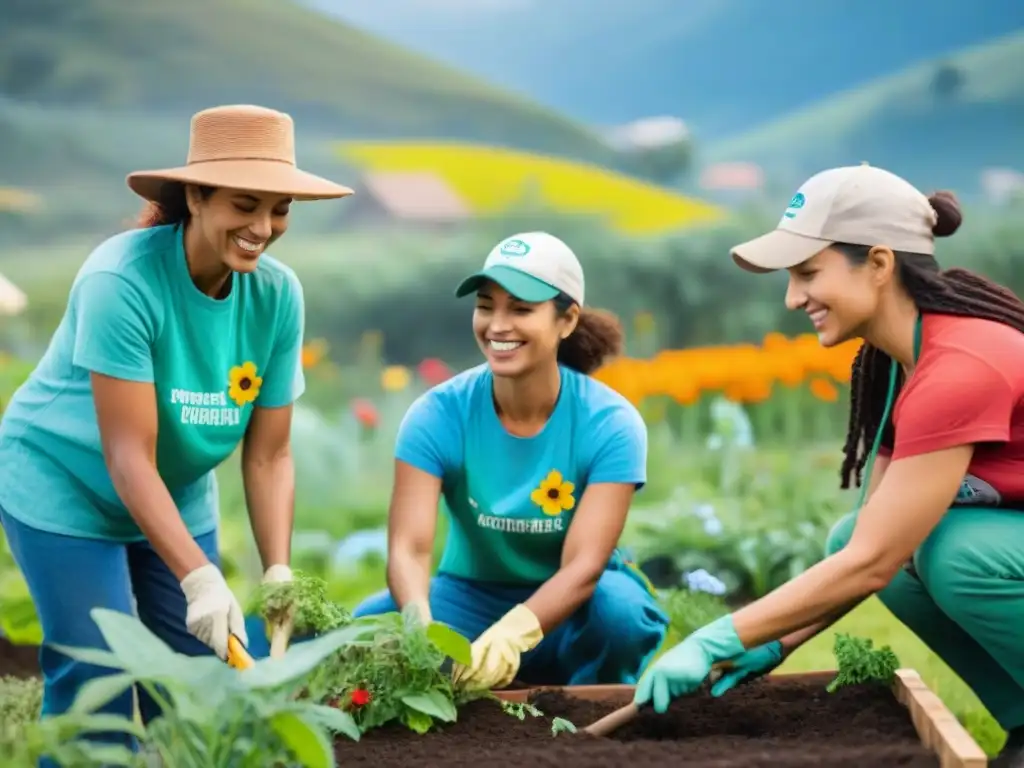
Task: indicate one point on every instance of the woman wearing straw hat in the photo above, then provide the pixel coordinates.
(181, 339)
(938, 396)
(537, 463)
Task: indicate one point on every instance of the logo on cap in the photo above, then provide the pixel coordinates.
(795, 205)
(514, 248)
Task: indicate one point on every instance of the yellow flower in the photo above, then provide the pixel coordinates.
(395, 378)
(553, 494)
(243, 383)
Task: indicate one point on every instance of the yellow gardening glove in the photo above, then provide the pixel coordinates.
(496, 652)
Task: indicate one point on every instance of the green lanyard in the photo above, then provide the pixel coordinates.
(893, 369)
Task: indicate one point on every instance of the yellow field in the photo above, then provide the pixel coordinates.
(18, 200)
(492, 179)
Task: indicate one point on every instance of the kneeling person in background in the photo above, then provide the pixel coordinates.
(537, 463)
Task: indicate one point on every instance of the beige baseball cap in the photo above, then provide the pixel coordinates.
(532, 266)
(858, 204)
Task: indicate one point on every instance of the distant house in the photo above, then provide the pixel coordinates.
(413, 198)
(732, 176)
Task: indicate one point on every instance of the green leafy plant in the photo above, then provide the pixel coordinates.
(59, 739)
(858, 662)
(398, 675)
(689, 610)
(214, 716)
(300, 606)
(24, 738)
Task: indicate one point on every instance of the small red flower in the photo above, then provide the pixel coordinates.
(434, 371)
(365, 412)
(361, 697)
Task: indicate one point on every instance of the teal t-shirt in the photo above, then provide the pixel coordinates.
(510, 499)
(134, 313)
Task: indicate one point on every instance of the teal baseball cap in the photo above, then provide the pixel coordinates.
(532, 266)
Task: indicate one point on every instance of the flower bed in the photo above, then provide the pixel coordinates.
(785, 720)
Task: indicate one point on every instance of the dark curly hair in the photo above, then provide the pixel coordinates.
(945, 292)
(597, 337)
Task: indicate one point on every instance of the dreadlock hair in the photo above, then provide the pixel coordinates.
(945, 292)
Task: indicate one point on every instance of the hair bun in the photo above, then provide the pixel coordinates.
(947, 211)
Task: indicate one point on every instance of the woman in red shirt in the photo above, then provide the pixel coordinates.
(937, 409)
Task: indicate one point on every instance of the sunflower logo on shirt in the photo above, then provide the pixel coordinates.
(243, 383)
(554, 494)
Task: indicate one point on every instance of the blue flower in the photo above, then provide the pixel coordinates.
(706, 514)
(713, 526)
(702, 581)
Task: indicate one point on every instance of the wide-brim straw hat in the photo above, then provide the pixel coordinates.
(241, 147)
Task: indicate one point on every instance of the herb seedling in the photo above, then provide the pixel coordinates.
(300, 606)
(858, 662)
(520, 709)
(561, 725)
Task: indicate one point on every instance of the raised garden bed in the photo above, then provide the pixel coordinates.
(779, 721)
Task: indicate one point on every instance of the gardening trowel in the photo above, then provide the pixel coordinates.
(238, 656)
(615, 720)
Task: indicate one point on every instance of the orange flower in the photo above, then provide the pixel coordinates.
(825, 390)
(313, 352)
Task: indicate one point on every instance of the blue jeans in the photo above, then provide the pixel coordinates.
(68, 576)
(610, 639)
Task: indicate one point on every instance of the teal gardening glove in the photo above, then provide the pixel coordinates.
(753, 663)
(681, 670)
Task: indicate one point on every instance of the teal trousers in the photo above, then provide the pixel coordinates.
(966, 601)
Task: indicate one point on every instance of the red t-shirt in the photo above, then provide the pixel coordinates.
(967, 387)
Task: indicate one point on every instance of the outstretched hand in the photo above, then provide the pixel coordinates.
(683, 669)
(749, 664)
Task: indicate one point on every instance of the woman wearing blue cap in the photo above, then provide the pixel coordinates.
(537, 463)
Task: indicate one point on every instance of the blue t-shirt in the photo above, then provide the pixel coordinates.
(134, 313)
(511, 499)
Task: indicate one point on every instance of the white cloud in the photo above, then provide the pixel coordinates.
(649, 132)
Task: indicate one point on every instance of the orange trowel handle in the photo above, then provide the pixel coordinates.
(238, 657)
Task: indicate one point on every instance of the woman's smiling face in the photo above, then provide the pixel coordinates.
(517, 336)
(839, 296)
(239, 224)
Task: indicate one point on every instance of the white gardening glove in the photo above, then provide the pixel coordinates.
(213, 612)
(423, 606)
(277, 574)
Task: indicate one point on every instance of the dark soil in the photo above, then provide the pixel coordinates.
(18, 660)
(781, 724)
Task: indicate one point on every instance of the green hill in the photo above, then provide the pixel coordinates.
(939, 123)
(112, 86)
(185, 55)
